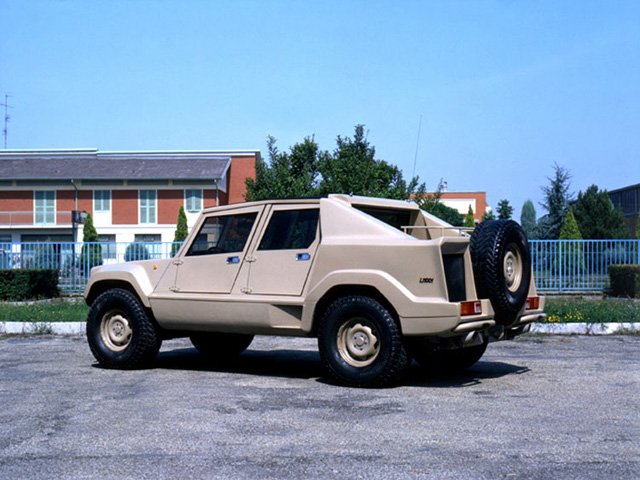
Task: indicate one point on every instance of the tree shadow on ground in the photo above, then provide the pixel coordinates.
(305, 364)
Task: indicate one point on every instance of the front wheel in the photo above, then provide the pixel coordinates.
(119, 331)
(360, 343)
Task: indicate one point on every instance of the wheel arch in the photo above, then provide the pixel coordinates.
(99, 287)
(345, 290)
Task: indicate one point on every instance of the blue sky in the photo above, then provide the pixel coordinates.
(504, 88)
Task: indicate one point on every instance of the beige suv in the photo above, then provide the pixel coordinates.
(378, 282)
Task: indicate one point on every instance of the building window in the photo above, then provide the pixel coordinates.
(108, 247)
(147, 206)
(102, 201)
(149, 245)
(193, 200)
(45, 207)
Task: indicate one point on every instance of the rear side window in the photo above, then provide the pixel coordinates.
(223, 234)
(290, 230)
(395, 218)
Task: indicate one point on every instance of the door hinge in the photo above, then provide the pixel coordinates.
(178, 262)
(250, 259)
(174, 289)
(246, 290)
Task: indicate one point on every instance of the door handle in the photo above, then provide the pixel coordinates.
(233, 260)
(303, 257)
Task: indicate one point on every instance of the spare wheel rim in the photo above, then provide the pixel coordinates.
(513, 268)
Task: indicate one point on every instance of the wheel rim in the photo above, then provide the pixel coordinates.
(358, 342)
(115, 330)
(513, 268)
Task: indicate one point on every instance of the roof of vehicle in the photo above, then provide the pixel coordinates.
(354, 200)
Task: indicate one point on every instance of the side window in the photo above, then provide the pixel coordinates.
(290, 229)
(223, 234)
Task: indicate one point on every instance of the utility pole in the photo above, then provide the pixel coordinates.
(6, 106)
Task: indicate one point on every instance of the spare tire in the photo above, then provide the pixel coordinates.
(501, 267)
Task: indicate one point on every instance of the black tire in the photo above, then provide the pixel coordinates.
(501, 267)
(119, 331)
(220, 346)
(448, 361)
(360, 343)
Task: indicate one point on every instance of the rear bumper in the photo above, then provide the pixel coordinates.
(446, 326)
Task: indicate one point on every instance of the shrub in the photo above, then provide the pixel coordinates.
(624, 280)
(136, 251)
(28, 284)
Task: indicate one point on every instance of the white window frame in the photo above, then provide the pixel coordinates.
(187, 198)
(45, 213)
(99, 201)
(147, 206)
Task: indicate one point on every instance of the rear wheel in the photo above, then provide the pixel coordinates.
(221, 346)
(360, 343)
(119, 331)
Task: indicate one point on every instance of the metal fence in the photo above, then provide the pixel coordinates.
(579, 265)
(558, 265)
(75, 260)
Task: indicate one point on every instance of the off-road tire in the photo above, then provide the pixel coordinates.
(119, 331)
(360, 343)
(220, 347)
(501, 267)
(448, 361)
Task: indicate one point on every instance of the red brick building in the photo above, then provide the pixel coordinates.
(131, 196)
(461, 201)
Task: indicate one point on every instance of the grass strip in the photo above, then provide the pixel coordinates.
(54, 311)
(591, 310)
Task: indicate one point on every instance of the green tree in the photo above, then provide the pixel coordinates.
(354, 169)
(290, 174)
(528, 218)
(488, 215)
(91, 254)
(469, 221)
(597, 217)
(570, 229)
(556, 202)
(569, 256)
(505, 210)
(182, 230)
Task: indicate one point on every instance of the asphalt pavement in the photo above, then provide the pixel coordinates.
(537, 407)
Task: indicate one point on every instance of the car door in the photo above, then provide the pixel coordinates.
(214, 258)
(280, 261)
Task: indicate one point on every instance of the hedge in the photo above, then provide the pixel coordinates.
(28, 284)
(624, 280)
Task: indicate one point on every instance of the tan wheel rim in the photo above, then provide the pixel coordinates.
(115, 330)
(513, 267)
(358, 343)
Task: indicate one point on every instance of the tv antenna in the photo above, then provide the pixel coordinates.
(5, 131)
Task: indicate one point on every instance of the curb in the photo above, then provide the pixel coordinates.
(78, 328)
(611, 328)
(43, 328)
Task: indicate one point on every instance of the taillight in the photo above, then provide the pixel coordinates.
(532, 303)
(470, 308)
